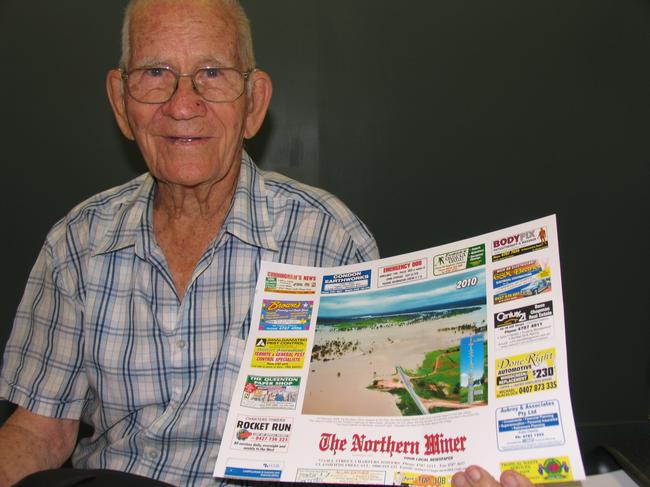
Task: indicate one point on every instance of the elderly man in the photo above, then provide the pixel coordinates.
(135, 314)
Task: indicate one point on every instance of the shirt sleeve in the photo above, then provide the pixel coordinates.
(366, 245)
(43, 359)
(352, 238)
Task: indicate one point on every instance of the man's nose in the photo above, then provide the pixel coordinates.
(185, 103)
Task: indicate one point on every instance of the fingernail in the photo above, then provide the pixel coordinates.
(509, 480)
(474, 473)
(459, 480)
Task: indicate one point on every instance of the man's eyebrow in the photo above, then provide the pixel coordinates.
(212, 61)
(151, 62)
(205, 62)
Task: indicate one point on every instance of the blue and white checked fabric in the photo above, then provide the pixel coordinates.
(100, 334)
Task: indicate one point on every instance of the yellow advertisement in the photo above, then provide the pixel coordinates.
(422, 480)
(525, 373)
(279, 353)
(542, 471)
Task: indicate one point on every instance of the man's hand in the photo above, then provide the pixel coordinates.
(30, 442)
(477, 477)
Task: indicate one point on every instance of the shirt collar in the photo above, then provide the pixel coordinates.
(248, 218)
(131, 220)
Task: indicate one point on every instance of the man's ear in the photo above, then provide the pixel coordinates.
(116, 98)
(259, 97)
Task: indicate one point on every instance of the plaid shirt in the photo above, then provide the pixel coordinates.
(100, 334)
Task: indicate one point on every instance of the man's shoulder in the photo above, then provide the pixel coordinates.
(283, 190)
(97, 211)
(296, 201)
(110, 200)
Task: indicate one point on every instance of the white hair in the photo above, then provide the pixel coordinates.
(232, 7)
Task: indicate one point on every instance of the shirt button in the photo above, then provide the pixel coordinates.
(181, 344)
(153, 454)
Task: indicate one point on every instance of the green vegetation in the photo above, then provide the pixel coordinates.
(372, 323)
(405, 403)
(332, 349)
(437, 377)
(463, 392)
(398, 320)
(472, 328)
(460, 311)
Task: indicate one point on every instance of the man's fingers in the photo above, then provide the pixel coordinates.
(475, 476)
(510, 478)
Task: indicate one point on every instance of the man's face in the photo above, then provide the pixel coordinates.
(187, 140)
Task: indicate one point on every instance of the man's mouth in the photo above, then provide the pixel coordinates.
(185, 140)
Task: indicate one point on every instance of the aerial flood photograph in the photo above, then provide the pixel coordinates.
(409, 350)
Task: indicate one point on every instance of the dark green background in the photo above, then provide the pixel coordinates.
(433, 120)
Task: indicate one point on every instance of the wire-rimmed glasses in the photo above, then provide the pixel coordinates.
(158, 84)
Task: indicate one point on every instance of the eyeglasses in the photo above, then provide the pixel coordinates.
(158, 84)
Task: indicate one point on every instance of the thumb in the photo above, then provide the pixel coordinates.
(510, 478)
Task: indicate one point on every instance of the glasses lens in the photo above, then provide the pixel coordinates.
(219, 84)
(151, 85)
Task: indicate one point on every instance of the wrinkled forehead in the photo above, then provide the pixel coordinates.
(203, 30)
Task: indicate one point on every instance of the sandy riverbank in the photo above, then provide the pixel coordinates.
(379, 350)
